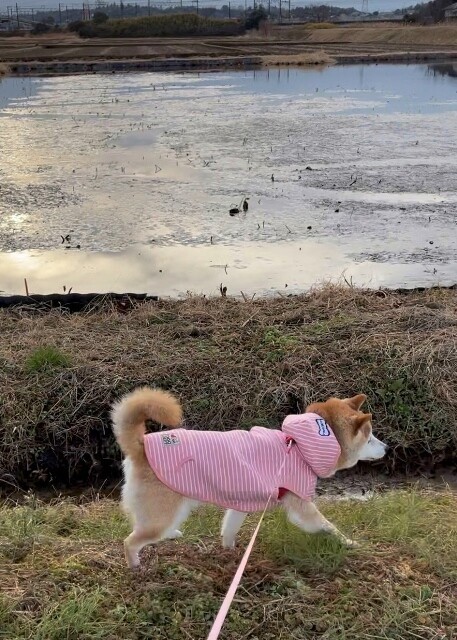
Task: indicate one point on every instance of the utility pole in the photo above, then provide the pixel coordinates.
(280, 12)
(289, 10)
(17, 17)
(60, 14)
(230, 15)
(149, 7)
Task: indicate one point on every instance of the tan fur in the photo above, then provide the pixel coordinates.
(130, 414)
(153, 508)
(157, 512)
(348, 424)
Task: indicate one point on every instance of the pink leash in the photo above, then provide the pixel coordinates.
(227, 602)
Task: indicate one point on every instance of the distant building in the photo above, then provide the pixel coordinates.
(450, 13)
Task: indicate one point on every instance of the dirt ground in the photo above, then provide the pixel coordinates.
(337, 42)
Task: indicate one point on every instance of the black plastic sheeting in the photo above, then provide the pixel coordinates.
(74, 302)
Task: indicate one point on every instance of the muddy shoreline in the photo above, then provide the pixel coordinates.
(213, 63)
(66, 53)
(356, 484)
(76, 302)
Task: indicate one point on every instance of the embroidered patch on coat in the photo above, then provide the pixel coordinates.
(169, 439)
(324, 429)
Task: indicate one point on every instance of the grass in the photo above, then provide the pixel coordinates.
(46, 359)
(299, 60)
(4, 69)
(320, 25)
(63, 575)
(233, 364)
(379, 34)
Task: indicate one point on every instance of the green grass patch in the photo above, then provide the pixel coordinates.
(75, 616)
(46, 359)
(68, 578)
(275, 344)
(320, 25)
(323, 327)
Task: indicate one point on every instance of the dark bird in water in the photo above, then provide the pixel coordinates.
(245, 205)
(234, 210)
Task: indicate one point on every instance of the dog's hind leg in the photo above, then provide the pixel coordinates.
(164, 525)
(230, 526)
(155, 510)
(307, 517)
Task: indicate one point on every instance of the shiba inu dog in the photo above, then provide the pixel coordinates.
(168, 473)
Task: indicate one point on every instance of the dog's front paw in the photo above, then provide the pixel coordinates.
(176, 533)
(132, 559)
(351, 544)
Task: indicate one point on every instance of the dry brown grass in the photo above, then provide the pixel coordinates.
(381, 34)
(299, 60)
(320, 25)
(233, 364)
(4, 69)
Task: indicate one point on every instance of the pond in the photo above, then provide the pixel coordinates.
(124, 182)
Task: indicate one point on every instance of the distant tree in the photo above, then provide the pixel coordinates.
(255, 17)
(431, 11)
(76, 25)
(323, 13)
(40, 28)
(208, 12)
(100, 17)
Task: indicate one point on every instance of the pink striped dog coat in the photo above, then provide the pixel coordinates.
(239, 469)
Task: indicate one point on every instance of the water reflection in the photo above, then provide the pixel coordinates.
(444, 69)
(355, 164)
(172, 271)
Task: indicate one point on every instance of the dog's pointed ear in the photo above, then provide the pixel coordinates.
(362, 422)
(356, 402)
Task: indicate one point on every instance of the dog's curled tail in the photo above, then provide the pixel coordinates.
(131, 412)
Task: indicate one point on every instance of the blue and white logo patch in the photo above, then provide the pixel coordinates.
(169, 439)
(324, 429)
